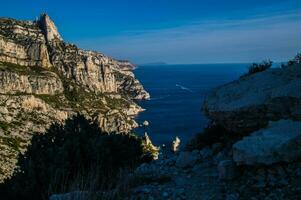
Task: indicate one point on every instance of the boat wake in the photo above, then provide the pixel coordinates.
(183, 88)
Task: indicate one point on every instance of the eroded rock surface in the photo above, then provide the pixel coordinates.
(252, 101)
(215, 178)
(279, 142)
(44, 80)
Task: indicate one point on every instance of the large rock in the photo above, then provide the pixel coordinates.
(250, 102)
(227, 170)
(48, 27)
(280, 141)
(187, 159)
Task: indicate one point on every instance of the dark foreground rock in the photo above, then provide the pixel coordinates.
(252, 101)
(279, 142)
(207, 179)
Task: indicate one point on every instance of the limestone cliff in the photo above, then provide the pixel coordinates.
(44, 79)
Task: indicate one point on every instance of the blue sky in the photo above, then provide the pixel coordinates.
(174, 31)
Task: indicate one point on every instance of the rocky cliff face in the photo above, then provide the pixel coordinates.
(261, 113)
(44, 79)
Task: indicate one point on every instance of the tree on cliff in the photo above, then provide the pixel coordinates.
(74, 156)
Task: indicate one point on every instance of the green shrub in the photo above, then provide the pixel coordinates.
(259, 67)
(70, 157)
(4, 126)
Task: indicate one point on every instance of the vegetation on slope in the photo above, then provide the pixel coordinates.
(259, 67)
(67, 156)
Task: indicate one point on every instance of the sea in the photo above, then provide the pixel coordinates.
(177, 94)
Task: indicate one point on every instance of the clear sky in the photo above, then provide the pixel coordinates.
(174, 31)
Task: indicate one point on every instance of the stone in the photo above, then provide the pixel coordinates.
(220, 156)
(227, 170)
(279, 142)
(145, 123)
(175, 146)
(216, 147)
(206, 153)
(186, 159)
(165, 194)
(152, 173)
(234, 196)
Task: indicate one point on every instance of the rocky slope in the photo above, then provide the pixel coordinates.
(258, 159)
(44, 79)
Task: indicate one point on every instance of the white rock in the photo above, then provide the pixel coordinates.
(280, 141)
(175, 146)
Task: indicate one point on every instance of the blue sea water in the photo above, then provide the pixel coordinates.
(177, 93)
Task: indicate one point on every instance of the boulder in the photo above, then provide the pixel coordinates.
(280, 141)
(252, 101)
(186, 159)
(175, 146)
(206, 153)
(152, 173)
(227, 170)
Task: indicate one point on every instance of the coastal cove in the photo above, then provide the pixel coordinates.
(150, 100)
(177, 93)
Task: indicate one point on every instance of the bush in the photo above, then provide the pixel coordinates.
(210, 135)
(294, 61)
(255, 68)
(70, 157)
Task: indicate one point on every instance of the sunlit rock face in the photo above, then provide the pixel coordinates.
(252, 101)
(23, 43)
(44, 83)
(49, 29)
(44, 79)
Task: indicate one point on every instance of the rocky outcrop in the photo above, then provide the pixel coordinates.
(22, 43)
(252, 101)
(261, 116)
(44, 83)
(279, 142)
(49, 29)
(44, 79)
